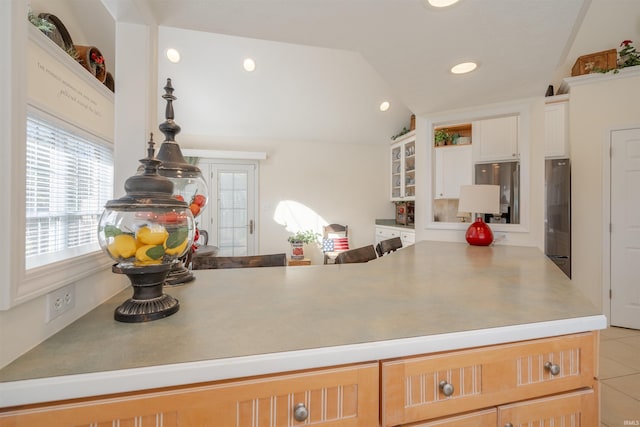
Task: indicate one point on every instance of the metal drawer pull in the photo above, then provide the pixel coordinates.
(300, 412)
(446, 388)
(552, 368)
(508, 425)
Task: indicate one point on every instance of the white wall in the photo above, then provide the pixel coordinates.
(594, 109)
(341, 183)
(25, 326)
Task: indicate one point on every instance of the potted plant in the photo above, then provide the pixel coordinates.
(441, 137)
(298, 240)
(629, 57)
(41, 23)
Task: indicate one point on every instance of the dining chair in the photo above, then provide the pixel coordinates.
(363, 254)
(335, 239)
(388, 246)
(217, 262)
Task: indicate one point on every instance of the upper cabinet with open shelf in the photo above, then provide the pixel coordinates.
(460, 134)
(499, 135)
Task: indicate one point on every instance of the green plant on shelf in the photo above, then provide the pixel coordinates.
(308, 236)
(404, 131)
(40, 23)
(73, 53)
(629, 57)
(441, 137)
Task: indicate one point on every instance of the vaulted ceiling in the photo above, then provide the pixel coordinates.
(517, 43)
(331, 62)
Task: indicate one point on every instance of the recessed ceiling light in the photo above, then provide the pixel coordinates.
(442, 3)
(385, 106)
(173, 55)
(249, 65)
(465, 67)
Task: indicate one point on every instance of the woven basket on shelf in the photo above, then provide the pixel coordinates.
(84, 57)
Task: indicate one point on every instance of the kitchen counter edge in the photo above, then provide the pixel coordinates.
(41, 390)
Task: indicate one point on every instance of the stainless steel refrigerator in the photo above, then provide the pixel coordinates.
(557, 221)
(507, 176)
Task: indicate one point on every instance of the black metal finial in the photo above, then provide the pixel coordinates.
(150, 150)
(149, 182)
(150, 163)
(169, 127)
(173, 163)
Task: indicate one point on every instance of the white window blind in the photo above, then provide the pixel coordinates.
(69, 178)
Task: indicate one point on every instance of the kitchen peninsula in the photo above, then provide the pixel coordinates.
(249, 341)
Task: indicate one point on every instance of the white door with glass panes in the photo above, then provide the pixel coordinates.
(625, 228)
(230, 216)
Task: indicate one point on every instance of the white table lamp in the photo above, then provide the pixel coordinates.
(479, 199)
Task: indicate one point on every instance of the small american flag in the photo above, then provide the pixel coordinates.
(341, 244)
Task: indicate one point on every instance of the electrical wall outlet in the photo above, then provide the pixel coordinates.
(499, 238)
(60, 301)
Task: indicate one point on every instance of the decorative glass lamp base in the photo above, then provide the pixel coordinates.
(479, 233)
(148, 301)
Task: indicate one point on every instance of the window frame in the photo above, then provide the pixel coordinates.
(39, 280)
(523, 111)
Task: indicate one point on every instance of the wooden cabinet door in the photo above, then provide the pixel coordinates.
(344, 397)
(495, 139)
(578, 409)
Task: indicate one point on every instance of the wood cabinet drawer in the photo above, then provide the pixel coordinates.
(344, 396)
(486, 418)
(577, 409)
(484, 377)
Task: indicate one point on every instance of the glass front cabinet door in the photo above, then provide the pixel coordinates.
(403, 165)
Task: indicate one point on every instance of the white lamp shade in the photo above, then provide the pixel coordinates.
(479, 199)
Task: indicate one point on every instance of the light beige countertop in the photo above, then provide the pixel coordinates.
(432, 296)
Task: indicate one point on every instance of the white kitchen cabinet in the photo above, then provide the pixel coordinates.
(403, 166)
(495, 139)
(453, 168)
(556, 127)
(407, 236)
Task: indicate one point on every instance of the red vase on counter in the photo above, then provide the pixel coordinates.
(479, 233)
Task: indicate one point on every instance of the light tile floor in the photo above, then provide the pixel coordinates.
(619, 377)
